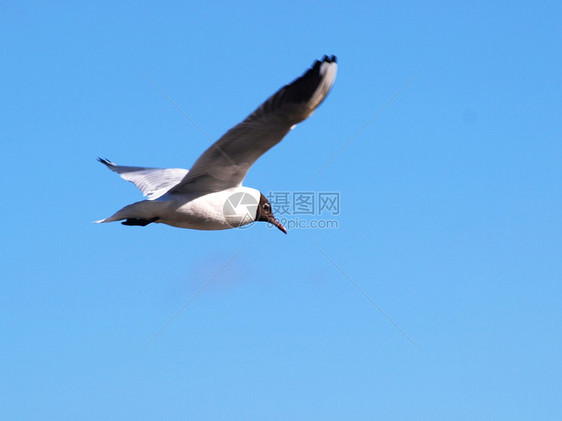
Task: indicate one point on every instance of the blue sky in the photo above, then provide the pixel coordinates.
(450, 215)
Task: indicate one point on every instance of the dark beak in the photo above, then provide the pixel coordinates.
(277, 224)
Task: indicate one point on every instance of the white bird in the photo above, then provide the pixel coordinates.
(210, 196)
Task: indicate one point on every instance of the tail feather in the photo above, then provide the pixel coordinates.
(146, 210)
(110, 219)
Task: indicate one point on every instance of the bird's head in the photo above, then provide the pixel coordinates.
(265, 213)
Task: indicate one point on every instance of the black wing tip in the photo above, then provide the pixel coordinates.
(302, 89)
(329, 59)
(106, 162)
(326, 59)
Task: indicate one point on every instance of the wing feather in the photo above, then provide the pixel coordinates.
(226, 162)
(152, 182)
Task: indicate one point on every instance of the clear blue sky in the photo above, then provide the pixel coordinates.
(450, 222)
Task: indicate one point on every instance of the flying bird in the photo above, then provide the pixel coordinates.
(210, 196)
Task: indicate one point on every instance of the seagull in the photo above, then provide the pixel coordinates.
(210, 196)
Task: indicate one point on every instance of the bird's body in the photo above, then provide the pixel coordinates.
(211, 211)
(210, 196)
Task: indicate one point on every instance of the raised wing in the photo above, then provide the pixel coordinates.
(226, 162)
(152, 182)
